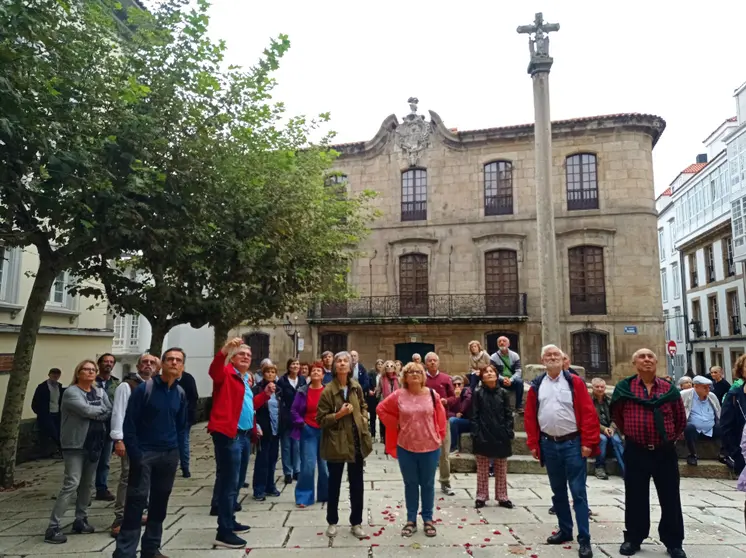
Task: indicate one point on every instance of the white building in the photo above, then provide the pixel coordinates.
(132, 335)
(697, 250)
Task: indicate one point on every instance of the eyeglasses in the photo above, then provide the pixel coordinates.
(87, 369)
(457, 384)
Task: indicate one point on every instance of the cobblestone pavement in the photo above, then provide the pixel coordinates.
(713, 515)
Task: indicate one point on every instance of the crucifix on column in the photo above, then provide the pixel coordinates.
(539, 67)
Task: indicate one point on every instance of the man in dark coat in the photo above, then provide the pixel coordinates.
(46, 405)
(358, 371)
(189, 386)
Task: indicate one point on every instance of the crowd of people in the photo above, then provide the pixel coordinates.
(318, 417)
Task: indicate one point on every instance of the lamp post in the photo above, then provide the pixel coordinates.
(292, 332)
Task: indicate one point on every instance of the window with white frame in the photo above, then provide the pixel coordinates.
(667, 321)
(3, 271)
(675, 327)
(119, 329)
(737, 214)
(672, 234)
(134, 339)
(58, 296)
(661, 247)
(9, 274)
(676, 278)
(664, 285)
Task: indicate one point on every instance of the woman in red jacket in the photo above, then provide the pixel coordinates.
(415, 423)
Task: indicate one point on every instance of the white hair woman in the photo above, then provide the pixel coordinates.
(345, 438)
(416, 427)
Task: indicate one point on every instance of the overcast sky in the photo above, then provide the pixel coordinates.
(464, 60)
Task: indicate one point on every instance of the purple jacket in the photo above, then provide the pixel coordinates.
(461, 404)
(298, 412)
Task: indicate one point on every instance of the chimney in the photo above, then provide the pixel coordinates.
(702, 158)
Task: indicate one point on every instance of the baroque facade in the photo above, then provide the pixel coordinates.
(454, 254)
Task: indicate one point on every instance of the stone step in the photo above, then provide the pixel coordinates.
(525, 464)
(706, 449)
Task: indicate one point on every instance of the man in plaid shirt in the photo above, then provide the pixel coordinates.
(650, 413)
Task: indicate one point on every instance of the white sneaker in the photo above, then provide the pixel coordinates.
(331, 531)
(357, 532)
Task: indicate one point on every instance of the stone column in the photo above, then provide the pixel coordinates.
(539, 67)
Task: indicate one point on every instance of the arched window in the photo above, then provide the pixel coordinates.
(414, 195)
(498, 188)
(413, 285)
(259, 343)
(501, 282)
(590, 350)
(587, 280)
(582, 181)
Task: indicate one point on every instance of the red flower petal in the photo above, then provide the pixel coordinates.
(460, 526)
(498, 533)
(367, 538)
(568, 547)
(487, 539)
(296, 546)
(463, 519)
(319, 534)
(437, 508)
(374, 544)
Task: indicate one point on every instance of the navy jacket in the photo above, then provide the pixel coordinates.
(155, 425)
(286, 398)
(362, 377)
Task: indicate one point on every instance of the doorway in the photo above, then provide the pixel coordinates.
(699, 358)
(493, 336)
(404, 351)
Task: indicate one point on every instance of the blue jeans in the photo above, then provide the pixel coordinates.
(517, 387)
(418, 472)
(566, 466)
(458, 426)
(150, 483)
(244, 443)
(310, 461)
(225, 491)
(290, 455)
(184, 448)
(617, 445)
(265, 464)
(102, 471)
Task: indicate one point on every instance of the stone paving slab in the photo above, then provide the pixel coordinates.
(298, 552)
(199, 539)
(516, 516)
(692, 551)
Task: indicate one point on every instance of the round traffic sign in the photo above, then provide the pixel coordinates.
(672, 348)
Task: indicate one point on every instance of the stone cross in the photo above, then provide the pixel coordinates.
(539, 44)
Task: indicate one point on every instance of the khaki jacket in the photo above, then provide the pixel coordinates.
(337, 438)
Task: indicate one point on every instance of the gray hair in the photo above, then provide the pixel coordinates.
(546, 348)
(638, 351)
(326, 353)
(235, 350)
(433, 355)
(339, 355)
(142, 356)
(683, 380)
(597, 381)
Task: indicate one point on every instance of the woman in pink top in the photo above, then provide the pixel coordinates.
(415, 422)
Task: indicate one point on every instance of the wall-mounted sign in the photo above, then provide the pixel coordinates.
(630, 330)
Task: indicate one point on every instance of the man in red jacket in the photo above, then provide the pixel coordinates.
(441, 383)
(562, 430)
(231, 398)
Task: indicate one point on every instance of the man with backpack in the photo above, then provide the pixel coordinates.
(156, 417)
(145, 369)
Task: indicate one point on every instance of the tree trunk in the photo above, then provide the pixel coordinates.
(19, 374)
(158, 336)
(221, 336)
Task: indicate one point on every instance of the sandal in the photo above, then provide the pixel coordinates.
(430, 529)
(409, 529)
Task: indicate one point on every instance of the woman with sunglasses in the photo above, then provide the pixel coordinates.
(387, 385)
(459, 412)
(416, 426)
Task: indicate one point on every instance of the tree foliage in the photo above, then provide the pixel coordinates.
(259, 231)
(148, 151)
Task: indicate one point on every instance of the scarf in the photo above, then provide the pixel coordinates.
(386, 388)
(623, 392)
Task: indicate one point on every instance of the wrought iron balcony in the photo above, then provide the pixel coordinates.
(735, 325)
(423, 308)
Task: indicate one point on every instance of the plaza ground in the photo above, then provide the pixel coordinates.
(713, 513)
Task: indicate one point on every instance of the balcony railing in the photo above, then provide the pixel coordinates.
(455, 307)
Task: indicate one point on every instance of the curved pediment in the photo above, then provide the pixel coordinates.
(373, 146)
(414, 240)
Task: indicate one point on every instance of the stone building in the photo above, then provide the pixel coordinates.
(454, 255)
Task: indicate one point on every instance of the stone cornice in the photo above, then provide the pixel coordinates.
(413, 240)
(587, 230)
(645, 123)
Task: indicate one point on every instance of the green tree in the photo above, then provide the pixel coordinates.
(62, 89)
(258, 232)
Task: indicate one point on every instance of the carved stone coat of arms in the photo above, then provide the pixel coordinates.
(413, 134)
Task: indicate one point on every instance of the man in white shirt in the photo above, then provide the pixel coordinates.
(147, 366)
(562, 430)
(702, 415)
